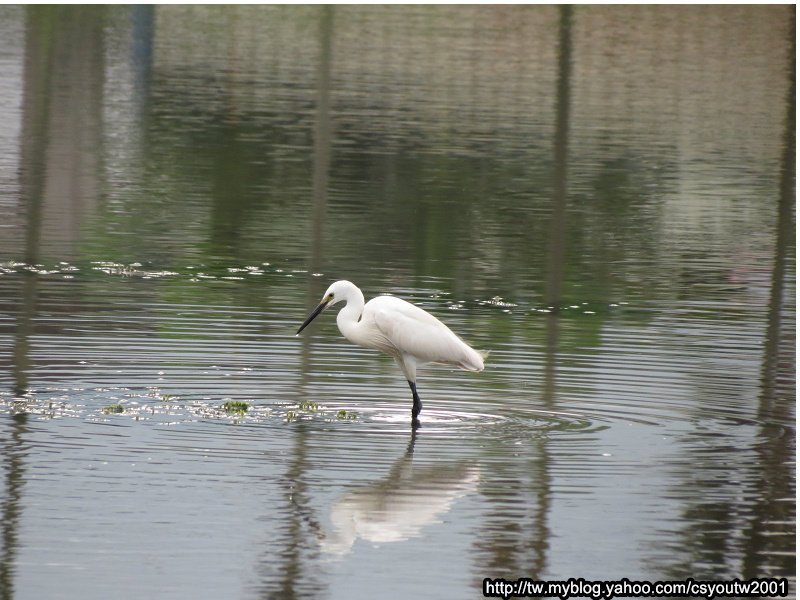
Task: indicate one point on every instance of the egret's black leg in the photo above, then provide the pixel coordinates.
(416, 407)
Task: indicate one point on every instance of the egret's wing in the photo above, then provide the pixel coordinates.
(415, 332)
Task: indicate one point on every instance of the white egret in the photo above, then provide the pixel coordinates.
(395, 327)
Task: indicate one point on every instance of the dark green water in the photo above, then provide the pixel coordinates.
(602, 197)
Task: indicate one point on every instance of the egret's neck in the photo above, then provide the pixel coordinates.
(348, 317)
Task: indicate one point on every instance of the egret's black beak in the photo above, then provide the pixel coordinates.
(322, 306)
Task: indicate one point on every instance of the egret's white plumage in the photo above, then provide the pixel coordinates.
(395, 327)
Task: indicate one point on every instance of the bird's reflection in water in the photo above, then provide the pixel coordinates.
(400, 505)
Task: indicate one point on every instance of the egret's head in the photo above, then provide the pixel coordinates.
(338, 291)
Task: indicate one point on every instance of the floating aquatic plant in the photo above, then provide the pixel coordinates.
(308, 405)
(235, 406)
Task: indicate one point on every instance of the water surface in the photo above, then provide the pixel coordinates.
(601, 197)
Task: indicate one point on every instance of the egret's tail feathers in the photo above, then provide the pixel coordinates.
(474, 360)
